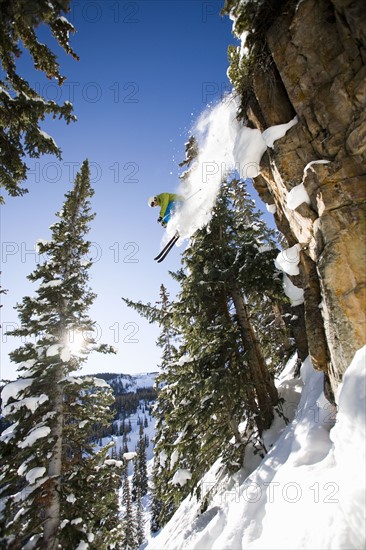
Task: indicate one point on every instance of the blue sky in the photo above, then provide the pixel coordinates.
(147, 69)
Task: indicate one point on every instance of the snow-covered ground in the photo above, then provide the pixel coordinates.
(309, 490)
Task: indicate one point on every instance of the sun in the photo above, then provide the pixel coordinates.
(76, 341)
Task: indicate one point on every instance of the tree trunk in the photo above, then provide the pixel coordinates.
(266, 391)
(248, 382)
(53, 511)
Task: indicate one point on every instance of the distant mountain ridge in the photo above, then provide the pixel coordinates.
(127, 383)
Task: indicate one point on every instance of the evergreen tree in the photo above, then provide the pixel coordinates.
(258, 278)
(87, 473)
(246, 251)
(125, 442)
(114, 452)
(120, 453)
(140, 534)
(139, 479)
(221, 375)
(129, 537)
(157, 520)
(21, 107)
(49, 467)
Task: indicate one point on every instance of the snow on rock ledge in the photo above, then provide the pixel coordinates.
(298, 195)
(294, 293)
(288, 260)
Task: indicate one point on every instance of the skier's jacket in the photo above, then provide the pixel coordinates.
(164, 199)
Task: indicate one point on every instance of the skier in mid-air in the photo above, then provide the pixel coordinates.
(168, 203)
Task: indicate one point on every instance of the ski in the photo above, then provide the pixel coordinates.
(167, 248)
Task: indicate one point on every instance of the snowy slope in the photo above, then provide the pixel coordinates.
(132, 442)
(133, 436)
(124, 383)
(307, 493)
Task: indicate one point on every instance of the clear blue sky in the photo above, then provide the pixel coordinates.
(146, 71)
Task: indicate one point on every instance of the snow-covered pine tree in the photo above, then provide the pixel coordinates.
(140, 532)
(139, 478)
(46, 450)
(125, 442)
(245, 251)
(209, 379)
(129, 527)
(21, 107)
(262, 285)
(221, 375)
(113, 452)
(141, 455)
(88, 472)
(245, 254)
(156, 521)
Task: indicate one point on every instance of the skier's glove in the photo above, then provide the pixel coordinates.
(160, 219)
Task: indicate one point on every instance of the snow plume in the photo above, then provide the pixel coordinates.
(215, 131)
(226, 148)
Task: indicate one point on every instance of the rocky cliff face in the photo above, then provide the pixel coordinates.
(319, 74)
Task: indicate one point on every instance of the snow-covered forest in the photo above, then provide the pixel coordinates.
(250, 432)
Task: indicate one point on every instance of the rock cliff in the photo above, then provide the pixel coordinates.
(318, 72)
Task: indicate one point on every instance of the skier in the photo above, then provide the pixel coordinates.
(168, 203)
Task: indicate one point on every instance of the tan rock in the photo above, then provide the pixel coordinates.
(320, 54)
